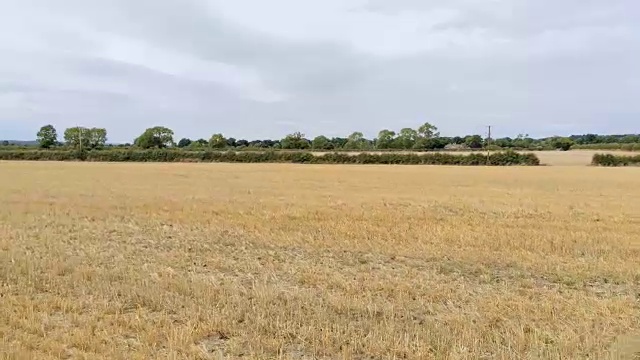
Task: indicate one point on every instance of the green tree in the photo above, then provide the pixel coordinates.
(97, 138)
(184, 142)
(94, 138)
(473, 141)
(72, 136)
(155, 137)
(385, 139)
(338, 142)
(431, 143)
(504, 143)
(406, 139)
(356, 141)
(217, 141)
(428, 131)
(561, 143)
(426, 137)
(321, 143)
(199, 144)
(47, 137)
(522, 141)
(231, 142)
(630, 139)
(295, 141)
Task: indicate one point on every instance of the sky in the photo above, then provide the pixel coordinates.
(262, 69)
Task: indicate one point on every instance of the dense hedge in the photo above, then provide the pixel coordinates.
(615, 160)
(505, 158)
(40, 155)
(611, 146)
(338, 150)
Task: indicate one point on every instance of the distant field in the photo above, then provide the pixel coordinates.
(552, 158)
(263, 261)
(574, 157)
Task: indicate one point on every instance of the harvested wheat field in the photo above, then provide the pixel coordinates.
(229, 261)
(574, 157)
(552, 158)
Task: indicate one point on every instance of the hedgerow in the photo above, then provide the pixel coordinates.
(615, 160)
(505, 158)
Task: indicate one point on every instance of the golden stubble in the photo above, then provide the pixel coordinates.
(223, 261)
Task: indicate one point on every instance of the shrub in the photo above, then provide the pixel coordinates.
(40, 155)
(615, 160)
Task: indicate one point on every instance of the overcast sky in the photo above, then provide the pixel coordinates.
(262, 69)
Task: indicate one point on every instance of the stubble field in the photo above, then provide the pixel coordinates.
(553, 158)
(217, 261)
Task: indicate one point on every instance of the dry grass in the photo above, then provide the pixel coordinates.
(574, 157)
(213, 261)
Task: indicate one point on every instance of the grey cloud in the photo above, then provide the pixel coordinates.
(539, 67)
(522, 15)
(188, 26)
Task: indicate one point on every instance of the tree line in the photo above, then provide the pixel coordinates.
(425, 137)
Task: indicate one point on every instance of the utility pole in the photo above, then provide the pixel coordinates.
(488, 143)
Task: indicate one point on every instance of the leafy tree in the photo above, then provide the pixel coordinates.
(231, 142)
(431, 143)
(47, 137)
(73, 135)
(199, 144)
(270, 143)
(94, 138)
(561, 143)
(322, 143)
(473, 141)
(184, 142)
(338, 142)
(356, 141)
(523, 141)
(5, 143)
(506, 142)
(262, 144)
(217, 141)
(257, 144)
(295, 141)
(385, 139)
(441, 142)
(630, 139)
(406, 139)
(97, 138)
(425, 137)
(242, 143)
(428, 131)
(155, 137)
(608, 139)
(588, 139)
